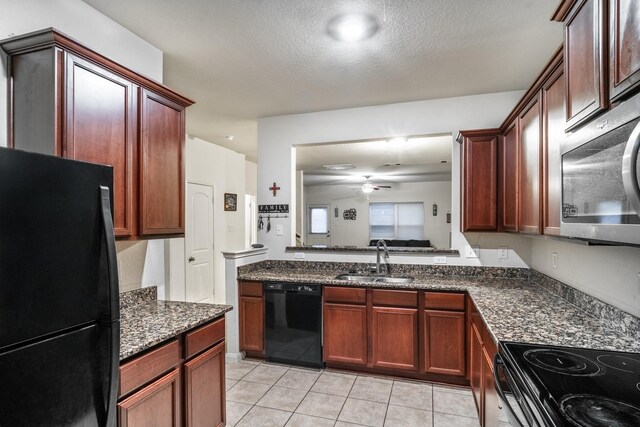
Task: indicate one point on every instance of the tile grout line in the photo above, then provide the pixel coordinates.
(345, 399)
(267, 391)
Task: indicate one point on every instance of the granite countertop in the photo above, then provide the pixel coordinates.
(146, 322)
(514, 309)
(392, 249)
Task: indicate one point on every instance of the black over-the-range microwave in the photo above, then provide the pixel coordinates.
(600, 178)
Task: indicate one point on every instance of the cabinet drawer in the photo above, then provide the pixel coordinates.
(443, 301)
(251, 289)
(204, 337)
(395, 298)
(145, 368)
(348, 295)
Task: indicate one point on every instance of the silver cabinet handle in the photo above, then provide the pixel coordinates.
(191, 259)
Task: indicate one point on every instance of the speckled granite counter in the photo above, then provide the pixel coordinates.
(147, 322)
(516, 308)
(391, 249)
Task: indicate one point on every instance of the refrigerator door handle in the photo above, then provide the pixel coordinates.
(112, 263)
(114, 306)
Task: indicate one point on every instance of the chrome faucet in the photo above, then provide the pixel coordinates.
(386, 255)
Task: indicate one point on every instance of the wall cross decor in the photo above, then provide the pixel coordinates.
(274, 188)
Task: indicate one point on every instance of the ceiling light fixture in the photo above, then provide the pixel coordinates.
(339, 166)
(367, 188)
(397, 140)
(353, 27)
(229, 137)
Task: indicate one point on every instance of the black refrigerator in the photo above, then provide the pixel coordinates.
(59, 305)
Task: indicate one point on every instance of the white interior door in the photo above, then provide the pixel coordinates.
(318, 225)
(199, 244)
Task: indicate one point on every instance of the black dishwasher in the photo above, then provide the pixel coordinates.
(293, 323)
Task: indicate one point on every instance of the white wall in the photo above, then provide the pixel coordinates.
(610, 274)
(250, 178)
(356, 232)
(224, 170)
(276, 158)
(83, 23)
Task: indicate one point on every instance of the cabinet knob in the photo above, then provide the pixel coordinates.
(191, 259)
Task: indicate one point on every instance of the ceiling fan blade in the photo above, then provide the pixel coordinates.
(383, 186)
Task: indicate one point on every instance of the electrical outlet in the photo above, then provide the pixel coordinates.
(554, 259)
(298, 255)
(440, 260)
(472, 251)
(279, 230)
(503, 252)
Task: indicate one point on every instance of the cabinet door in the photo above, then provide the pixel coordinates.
(100, 127)
(584, 43)
(205, 389)
(553, 114)
(624, 47)
(161, 165)
(156, 405)
(345, 333)
(530, 165)
(394, 336)
(509, 178)
(480, 193)
(252, 324)
(490, 410)
(475, 368)
(444, 342)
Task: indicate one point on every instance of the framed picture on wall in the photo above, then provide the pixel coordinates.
(230, 202)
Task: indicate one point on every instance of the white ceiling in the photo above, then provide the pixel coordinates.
(418, 159)
(245, 59)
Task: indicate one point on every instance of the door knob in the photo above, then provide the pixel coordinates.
(191, 259)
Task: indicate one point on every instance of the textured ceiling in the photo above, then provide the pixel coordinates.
(418, 159)
(245, 59)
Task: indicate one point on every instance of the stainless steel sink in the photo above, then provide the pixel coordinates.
(383, 279)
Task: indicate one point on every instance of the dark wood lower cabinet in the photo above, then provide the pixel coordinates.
(483, 349)
(444, 342)
(251, 314)
(475, 368)
(345, 333)
(176, 385)
(395, 338)
(156, 405)
(491, 414)
(205, 388)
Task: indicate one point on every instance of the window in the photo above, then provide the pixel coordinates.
(318, 220)
(403, 221)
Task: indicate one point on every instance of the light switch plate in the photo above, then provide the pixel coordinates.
(472, 251)
(298, 255)
(554, 259)
(279, 230)
(503, 252)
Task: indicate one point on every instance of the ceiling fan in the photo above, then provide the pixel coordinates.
(368, 187)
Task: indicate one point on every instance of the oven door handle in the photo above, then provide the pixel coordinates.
(497, 362)
(630, 171)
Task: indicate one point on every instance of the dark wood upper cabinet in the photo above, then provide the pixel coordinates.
(530, 203)
(100, 127)
(553, 113)
(624, 47)
(67, 100)
(161, 165)
(509, 188)
(585, 39)
(479, 178)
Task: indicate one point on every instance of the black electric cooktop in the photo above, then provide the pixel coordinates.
(576, 387)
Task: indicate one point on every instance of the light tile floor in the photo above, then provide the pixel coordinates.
(267, 394)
